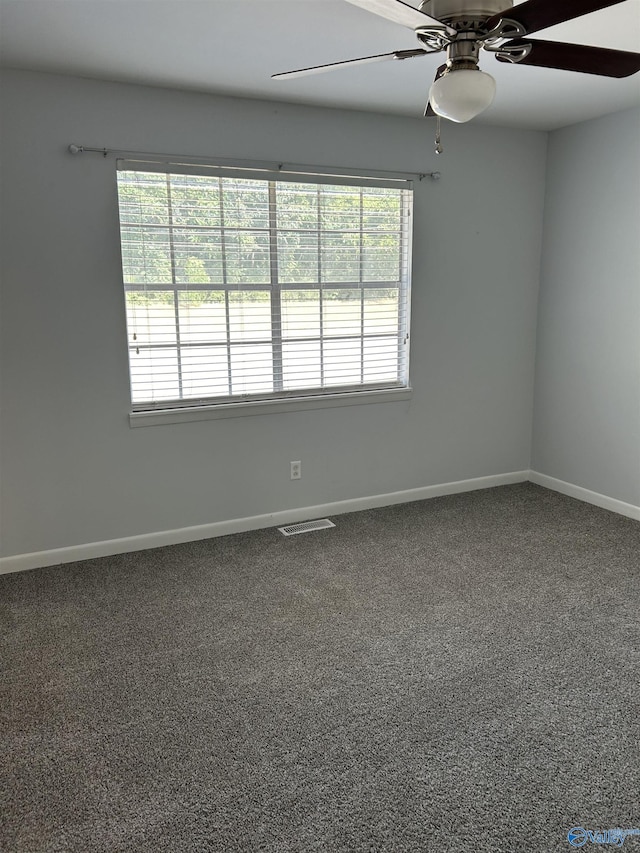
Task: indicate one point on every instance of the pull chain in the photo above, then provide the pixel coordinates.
(439, 148)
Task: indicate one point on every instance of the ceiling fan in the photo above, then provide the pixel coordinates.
(460, 90)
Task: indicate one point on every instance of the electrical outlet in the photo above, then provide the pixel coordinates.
(296, 470)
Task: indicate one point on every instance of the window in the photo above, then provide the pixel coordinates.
(242, 286)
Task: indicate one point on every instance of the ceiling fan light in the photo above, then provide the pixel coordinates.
(460, 95)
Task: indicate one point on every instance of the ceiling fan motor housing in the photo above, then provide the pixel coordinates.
(468, 11)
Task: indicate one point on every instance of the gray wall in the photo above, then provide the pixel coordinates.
(587, 400)
(73, 471)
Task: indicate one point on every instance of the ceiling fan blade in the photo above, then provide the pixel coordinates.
(536, 15)
(363, 60)
(402, 13)
(576, 57)
(429, 111)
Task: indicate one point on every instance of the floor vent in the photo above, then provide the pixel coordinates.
(306, 527)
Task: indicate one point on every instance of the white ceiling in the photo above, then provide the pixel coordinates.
(232, 47)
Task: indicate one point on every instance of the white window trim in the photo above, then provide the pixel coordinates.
(266, 407)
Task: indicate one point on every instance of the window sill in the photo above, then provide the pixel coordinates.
(159, 417)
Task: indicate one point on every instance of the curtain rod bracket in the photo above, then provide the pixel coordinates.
(80, 149)
(435, 176)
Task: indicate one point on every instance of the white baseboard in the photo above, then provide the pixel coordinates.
(586, 495)
(39, 559)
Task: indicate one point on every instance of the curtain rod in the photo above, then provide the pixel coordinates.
(222, 161)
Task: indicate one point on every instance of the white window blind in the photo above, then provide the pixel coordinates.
(244, 286)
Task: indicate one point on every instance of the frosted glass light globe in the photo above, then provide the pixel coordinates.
(463, 94)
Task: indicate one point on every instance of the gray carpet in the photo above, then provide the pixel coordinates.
(458, 674)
